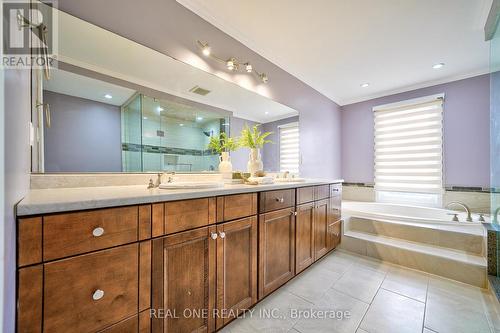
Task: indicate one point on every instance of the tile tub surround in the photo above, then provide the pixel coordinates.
(478, 199)
(445, 250)
(384, 298)
(53, 200)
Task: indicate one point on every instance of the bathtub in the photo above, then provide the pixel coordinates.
(437, 217)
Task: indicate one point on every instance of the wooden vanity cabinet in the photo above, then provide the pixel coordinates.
(236, 268)
(276, 249)
(304, 236)
(183, 281)
(181, 266)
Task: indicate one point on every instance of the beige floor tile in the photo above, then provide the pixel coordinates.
(337, 261)
(313, 283)
(391, 312)
(360, 283)
(343, 314)
(407, 282)
(274, 314)
(454, 307)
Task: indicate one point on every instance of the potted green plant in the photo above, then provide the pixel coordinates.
(222, 144)
(254, 139)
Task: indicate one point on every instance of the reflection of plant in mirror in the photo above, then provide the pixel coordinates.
(253, 138)
(222, 143)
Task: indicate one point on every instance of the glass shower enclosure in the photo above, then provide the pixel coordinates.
(167, 135)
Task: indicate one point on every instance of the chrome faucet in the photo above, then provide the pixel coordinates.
(495, 215)
(464, 206)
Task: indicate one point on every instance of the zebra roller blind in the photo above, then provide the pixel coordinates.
(289, 148)
(409, 148)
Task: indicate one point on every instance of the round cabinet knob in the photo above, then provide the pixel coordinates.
(97, 232)
(213, 235)
(98, 294)
(222, 234)
(280, 200)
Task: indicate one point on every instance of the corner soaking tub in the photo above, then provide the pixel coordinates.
(431, 217)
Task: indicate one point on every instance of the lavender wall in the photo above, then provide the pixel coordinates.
(172, 29)
(239, 158)
(17, 182)
(271, 152)
(466, 132)
(85, 136)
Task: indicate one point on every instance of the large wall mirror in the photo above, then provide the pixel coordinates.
(113, 105)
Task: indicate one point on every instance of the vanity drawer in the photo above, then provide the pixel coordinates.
(232, 207)
(75, 233)
(189, 214)
(274, 200)
(335, 190)
(92, 291)
(321, 192)
(305, 194)
(334, 235)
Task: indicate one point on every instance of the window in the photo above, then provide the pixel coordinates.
(409, 151)
(289, 148)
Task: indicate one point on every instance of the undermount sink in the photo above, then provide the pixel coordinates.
(190, 185)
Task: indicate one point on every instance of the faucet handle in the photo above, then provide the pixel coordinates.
(481, 217)
(455, 217)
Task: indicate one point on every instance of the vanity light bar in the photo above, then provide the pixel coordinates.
(232, 64)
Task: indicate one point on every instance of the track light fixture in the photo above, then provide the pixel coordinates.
(232, 64)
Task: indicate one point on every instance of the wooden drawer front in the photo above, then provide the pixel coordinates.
(274, 200)
(305, 194)
(189, 214)
(335, 212)
(321, 192)
(232, 207)
(70, 285)
(336, 190)
(334, 235)
(74, 233)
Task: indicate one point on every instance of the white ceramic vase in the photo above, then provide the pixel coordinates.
(225, 165)
(254, 162)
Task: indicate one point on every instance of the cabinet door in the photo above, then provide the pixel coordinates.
(334, 234)
(321, 219)
(276, 250)
(304, 237)
(183, 281)
(236, 268)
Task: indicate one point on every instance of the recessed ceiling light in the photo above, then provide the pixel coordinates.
(108, 96)
(438, 65)
(364, 85)
(199, 118)
(266, 112)
(159, 109)
(181, 125)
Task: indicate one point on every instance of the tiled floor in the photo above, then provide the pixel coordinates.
(348, 293)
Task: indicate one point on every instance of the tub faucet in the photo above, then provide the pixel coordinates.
(464, 206)
(495, 215)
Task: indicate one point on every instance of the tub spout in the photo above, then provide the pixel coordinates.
(464, 206)
(495, 215)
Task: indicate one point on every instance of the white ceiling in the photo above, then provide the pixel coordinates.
(85, 45)
(336, 45)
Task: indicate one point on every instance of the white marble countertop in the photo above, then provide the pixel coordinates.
(42, 201)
